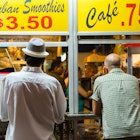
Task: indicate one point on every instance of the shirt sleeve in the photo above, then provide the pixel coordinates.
(59, 104)
(96, 91)
(3, 106)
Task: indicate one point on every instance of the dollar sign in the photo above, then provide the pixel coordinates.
(1, 24)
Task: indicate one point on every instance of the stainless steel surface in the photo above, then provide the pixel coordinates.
(80, 116)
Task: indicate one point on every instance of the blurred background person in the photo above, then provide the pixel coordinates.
(56, 70)
(66, 79)
(82, 93)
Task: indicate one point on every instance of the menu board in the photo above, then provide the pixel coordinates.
(108, 16)
(52, 15)
(33, 15)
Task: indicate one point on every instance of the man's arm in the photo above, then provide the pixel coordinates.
(60, 104)
(96, 107)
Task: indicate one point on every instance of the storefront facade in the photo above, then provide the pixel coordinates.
(74, 20)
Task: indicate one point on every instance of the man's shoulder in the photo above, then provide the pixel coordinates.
(13, 74)
(115, 76)
(103, 77)
(127, 76)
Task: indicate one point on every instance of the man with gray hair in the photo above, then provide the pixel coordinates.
(117, 98)
(31, 100)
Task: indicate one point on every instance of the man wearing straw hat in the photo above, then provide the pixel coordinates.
(31, 100)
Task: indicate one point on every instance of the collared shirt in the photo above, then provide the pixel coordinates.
(120, 97)
(32, 102)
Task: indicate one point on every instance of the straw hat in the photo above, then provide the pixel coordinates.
(36, 48)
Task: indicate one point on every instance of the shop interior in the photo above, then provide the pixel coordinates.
(90, 56)
(92, 51)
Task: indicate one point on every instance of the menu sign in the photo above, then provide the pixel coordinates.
(52, 15)
(109, 15)
(33, 15)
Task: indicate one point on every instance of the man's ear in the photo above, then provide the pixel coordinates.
(122, 67)
(105, 70)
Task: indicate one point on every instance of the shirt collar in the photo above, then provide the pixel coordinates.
(116, 70)
(32, 69)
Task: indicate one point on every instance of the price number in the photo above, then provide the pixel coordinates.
(133, 8)
(1, 23)
(32, 23)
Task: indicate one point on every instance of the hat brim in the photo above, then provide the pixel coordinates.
(35, 54)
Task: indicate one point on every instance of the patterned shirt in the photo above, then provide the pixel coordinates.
(120, 97)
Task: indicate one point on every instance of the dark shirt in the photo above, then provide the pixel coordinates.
(60, 79)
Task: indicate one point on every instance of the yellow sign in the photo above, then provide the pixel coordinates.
(52, 15)
(33, 15)
(108, 16)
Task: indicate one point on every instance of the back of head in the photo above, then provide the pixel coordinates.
(55, 63)
(113, 61)
(56, 66)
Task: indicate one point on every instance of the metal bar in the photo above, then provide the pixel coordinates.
(71, 58)
(21, 44)
(75, 59)
(82, 41)
(81, 116)
(107, 41)
(129, 61)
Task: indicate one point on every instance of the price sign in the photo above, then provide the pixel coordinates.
(109, 16)
(33, 15)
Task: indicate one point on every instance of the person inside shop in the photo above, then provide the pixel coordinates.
(56, 70)
(31, 100)
(117, 97)
(82, 93)
(65, 76)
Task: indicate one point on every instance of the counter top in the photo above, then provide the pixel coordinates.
(80, 116)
